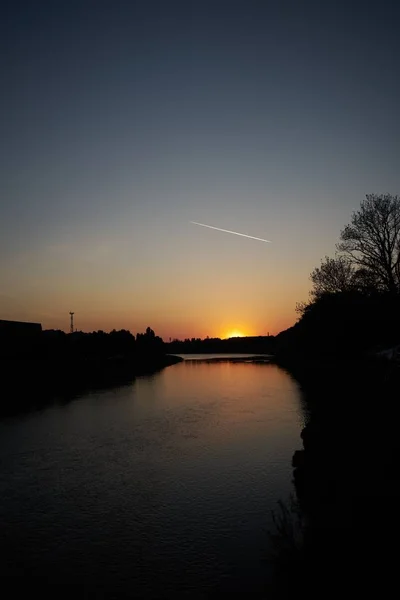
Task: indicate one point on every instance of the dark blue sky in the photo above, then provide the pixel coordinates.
(122, 121)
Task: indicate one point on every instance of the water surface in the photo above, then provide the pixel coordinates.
(159, 489)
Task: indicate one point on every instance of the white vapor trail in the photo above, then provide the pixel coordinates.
(234, 232)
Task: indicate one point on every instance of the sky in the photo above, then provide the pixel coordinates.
(122, 121)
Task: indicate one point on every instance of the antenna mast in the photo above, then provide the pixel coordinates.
(71, 330)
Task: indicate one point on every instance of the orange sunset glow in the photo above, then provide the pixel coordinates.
(234, 333)
(150, 205)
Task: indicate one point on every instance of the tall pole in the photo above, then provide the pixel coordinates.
(71, 330)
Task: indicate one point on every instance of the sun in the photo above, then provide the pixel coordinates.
(233, 333)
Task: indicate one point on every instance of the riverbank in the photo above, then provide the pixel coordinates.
(346, 475)
(35, 382)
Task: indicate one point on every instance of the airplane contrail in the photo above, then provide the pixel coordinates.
(234, 232)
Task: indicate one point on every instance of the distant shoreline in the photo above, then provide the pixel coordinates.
(240, 358)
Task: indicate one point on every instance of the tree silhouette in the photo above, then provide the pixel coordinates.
(334, 275)
(354, 304)
(371, 241)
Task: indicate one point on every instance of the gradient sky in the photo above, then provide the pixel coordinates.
(122, 121)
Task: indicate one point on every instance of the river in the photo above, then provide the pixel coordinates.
(158, 489)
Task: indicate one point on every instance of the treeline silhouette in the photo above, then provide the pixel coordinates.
(242, 345)
(343, 324)
(53, 343)
(354, 305)
(101, 344)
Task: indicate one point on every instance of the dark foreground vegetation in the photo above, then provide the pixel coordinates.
(53, 364)
(344, 352)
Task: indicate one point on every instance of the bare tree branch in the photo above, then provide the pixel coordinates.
(372, 240)
(334, 275)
